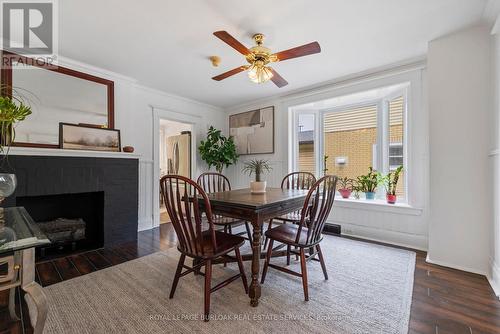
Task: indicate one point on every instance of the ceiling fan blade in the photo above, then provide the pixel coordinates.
(300, 51)
(278, 79)
(230, 73)
(233, 42)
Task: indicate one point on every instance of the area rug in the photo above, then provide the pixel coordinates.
(369, 291)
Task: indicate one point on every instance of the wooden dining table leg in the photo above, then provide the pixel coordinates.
(254, 290)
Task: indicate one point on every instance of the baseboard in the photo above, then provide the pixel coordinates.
(454, 266)
(414, 241)
(145, 223)
(494, 277)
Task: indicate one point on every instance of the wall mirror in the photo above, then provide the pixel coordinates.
(56, 94)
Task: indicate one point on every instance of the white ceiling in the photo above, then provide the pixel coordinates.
(165, 44)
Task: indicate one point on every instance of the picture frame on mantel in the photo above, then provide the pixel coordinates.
(253, 131)
(89, 138)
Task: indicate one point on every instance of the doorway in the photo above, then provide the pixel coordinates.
(175, 156)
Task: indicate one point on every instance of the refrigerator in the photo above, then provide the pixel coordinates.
(179, 154)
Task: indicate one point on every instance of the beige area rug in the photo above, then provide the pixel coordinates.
(369, 291)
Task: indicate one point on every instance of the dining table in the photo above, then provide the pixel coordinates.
(256, 208)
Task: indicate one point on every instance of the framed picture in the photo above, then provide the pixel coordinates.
(253, 131)
(88, 137)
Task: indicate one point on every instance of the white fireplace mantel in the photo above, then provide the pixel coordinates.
(70, 153)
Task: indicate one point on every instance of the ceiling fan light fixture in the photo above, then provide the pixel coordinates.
(259, 73)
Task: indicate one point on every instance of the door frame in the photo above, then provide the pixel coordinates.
(158, 114)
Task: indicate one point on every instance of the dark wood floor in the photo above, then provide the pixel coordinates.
(445, 301)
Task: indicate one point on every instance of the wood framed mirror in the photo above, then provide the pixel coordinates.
(58, 94)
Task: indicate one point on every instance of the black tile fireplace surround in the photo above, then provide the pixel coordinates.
(116, 178)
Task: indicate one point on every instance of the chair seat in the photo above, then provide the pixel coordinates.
(287, 234)
(225, 243)
(292, 217)
(222, 221)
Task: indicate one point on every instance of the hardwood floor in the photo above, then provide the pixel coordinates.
(445, 301)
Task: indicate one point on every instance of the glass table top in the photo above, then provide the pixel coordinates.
(18, 231)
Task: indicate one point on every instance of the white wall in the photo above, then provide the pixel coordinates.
(494, 259)
(460, 183)
(403, 226)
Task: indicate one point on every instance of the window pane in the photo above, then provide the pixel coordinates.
(350, 136)
(306, 143)
(396, 140)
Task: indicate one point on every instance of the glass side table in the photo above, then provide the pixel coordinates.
(19, 235)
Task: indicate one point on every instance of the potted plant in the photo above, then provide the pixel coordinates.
(218, 150)
(257, 167)
(345, 186)
(368, 183)
(390, 182)
(13, 109)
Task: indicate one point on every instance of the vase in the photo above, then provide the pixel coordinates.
(8, 184)
(370, 195)
(6, 135)
(345, 193)
(391, 199)
(258, 187)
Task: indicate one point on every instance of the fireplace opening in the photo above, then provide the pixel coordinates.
(72, 222)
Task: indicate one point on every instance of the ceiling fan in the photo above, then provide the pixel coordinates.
(259, 58)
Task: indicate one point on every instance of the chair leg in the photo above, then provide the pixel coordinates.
(269, 226)
(249, 233)
(266, 264)
(322, 261)
(242, 270)
(177, 275)
(288, 249)
(303, 268)
(226, 231)
(208, 286)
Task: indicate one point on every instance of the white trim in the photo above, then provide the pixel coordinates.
(159, 113)
(145, 224)
(413, 241)
(494, 277)
(70, 153)
(176, 97)
(454, 266)
(329, 87)
(377, 205)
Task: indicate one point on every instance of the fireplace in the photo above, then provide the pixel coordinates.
(72, 222)
(103, 192)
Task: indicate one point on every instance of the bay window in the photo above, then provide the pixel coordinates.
(346, 135)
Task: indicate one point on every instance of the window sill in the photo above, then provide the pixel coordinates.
(377, 205)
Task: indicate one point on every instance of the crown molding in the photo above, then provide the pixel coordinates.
(404, 66)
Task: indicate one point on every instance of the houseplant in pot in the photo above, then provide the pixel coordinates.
(257, 167)
(345, 186)
(368, 183)
(390, 182)
(14, 108)
(218, 150)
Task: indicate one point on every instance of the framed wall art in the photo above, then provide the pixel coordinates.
(253, 131)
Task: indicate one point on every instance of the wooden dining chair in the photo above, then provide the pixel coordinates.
(198, 239)
(212, 182)
(295, 180)
(308, 233)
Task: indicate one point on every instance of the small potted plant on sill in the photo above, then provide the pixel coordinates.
(257, 167)
(368, 183)
(218, 150)
(390, 182)
(346, 186)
